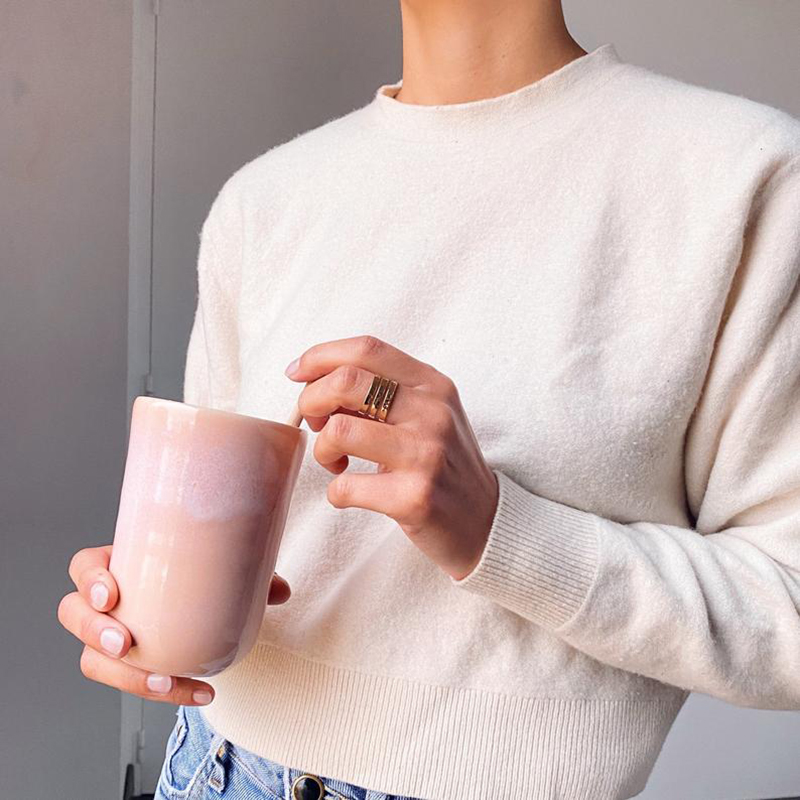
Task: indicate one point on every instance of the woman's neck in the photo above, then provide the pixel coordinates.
(456, 51)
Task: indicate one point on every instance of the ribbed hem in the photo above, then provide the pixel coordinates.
(438, 742)
(540, 558)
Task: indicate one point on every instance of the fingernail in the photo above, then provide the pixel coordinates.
(99, 595)
(112, 640)
(292, 368)
(160, 684)
(202, 697)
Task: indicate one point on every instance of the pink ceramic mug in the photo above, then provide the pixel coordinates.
(204, 500)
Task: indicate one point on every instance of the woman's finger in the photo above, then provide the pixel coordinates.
(93, 628)
(356, 436)
(346, 386)
(371, 354)
(316, 423)
(89, 572)
(394, 494)
(132, 680)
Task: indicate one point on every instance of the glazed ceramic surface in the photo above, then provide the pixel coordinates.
(204, 499)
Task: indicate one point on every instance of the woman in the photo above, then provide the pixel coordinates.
(583, 277)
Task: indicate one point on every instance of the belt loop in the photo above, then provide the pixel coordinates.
(218, 776)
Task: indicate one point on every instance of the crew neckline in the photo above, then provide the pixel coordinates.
(459, 121)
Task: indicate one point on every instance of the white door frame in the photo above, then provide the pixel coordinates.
(140, 281)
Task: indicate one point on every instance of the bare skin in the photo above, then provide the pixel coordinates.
(88, 620)
(454, 51)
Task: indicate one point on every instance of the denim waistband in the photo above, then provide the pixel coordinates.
(226, 754)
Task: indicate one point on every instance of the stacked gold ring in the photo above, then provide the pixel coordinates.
(379, 398)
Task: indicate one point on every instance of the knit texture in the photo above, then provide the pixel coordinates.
(606, 263)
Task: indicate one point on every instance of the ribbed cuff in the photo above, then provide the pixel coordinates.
(540, 558)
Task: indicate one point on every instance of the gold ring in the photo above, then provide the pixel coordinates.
(379, 398)
(387, 401)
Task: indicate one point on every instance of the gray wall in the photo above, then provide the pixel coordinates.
(746, 47)
(64, 143)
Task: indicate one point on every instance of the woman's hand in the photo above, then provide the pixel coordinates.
(107, 641)
(432, 478)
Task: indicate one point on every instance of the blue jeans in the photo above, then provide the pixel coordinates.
(200, 764)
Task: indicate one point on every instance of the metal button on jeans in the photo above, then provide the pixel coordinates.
(307, 787)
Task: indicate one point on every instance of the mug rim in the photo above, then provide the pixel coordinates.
(150, 399)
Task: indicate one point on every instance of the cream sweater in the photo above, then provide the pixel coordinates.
(606, 263)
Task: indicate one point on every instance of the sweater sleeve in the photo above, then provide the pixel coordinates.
(715, 608)
(212, 371)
